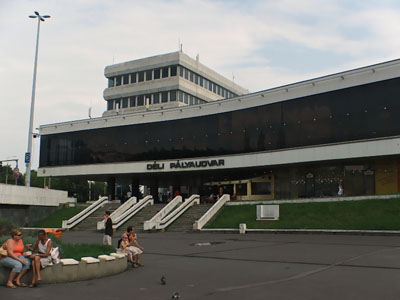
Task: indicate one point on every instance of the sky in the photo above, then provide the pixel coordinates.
(261, 44)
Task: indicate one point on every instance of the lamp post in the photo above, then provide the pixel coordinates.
(30, 132)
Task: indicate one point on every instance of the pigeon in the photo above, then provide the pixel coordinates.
(163, 280)
(175, 295)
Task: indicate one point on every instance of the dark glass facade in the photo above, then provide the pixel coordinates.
(363, 112)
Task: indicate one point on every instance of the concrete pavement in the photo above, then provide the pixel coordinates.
(251, 266)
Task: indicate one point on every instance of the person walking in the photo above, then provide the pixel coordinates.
(108, 229)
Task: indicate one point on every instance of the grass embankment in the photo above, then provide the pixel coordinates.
(374, 214)
(75, 251)
(55, 219)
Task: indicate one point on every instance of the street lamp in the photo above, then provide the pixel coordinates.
(30, 132)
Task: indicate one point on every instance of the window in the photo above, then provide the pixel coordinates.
(210, 86)
(172, 96)
(186, 74)
(117, 80)
(186, 100)
(156, 98)
(118, 104)
(190, 100)
(218, 90)
(180, 96)
(149, 75)
(147, 99)
(157, 73)
(201, 81)
(140, 100)
(164, 72)
(173, 70)
(133, 77)
(206, 82)
(214, 88)
(241, 189)
(125, 102)
(181, 71)
(191, 76)
(133, 101)
(164, 97)
(141, 76)
(196, 79)
(111, 82)
(260, 188)
(126, 79)
(109, 105)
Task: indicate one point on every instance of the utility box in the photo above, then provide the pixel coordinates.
(267, 212)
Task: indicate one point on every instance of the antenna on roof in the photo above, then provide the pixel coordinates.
(233, 77)
(90, 112)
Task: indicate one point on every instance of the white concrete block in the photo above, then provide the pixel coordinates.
(106, 257)
(90, 260)
(69, 262)
(118, 255)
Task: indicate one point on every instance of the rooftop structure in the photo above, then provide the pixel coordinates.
(162, 81)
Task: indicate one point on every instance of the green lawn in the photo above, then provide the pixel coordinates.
(376, 214)
(55, 219)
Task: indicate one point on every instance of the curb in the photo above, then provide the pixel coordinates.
(306, 231)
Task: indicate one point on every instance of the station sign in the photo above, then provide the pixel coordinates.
(196, 164)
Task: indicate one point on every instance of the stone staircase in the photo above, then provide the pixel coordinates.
(90, 223)
(185, 222)
(137, 220)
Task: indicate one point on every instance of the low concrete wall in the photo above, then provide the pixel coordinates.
(71, 270)
(25, 215)
(22, 195)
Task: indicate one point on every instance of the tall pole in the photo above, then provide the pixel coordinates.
(30, 132)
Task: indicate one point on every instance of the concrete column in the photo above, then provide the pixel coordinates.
(111, 188)
(154, 190)
(135, 188)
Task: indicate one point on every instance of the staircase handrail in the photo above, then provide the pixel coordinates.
(149, 224)
(66, 224)
(121, 209)
(211, 212)
(167, 220)
(132, 211)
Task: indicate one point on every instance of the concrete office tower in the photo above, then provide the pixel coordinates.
(164, 81)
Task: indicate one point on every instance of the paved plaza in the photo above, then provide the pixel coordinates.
(251, 266)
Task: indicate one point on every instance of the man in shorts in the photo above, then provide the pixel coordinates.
(136, 250)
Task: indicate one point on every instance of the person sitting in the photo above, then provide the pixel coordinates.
(42, 258)
(16, 259)
(123, 248)
(136, 250)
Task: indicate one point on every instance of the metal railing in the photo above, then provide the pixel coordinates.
(175, 214)
(131, 211)
(150, 224)
(200, 223)
(119, 211)
(67, 224)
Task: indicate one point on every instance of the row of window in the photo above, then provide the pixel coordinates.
(367, 111)
(169, 71)
(205, 83)
(147, 75)
(154, 98)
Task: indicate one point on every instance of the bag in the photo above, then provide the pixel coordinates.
(3, 252)
(55, 255)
